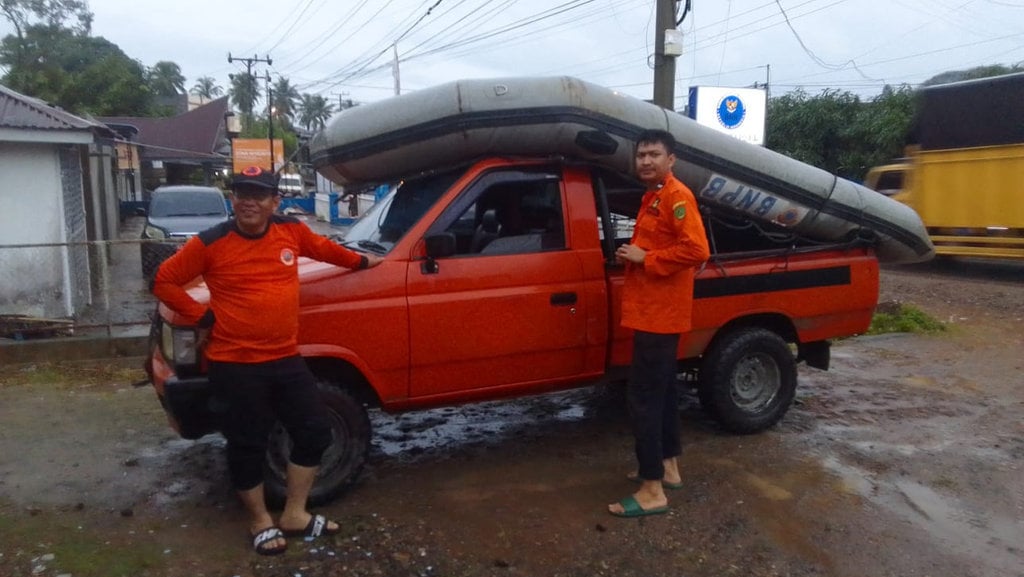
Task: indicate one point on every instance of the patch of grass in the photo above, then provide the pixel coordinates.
(74, 374)
(80, 552)
(903, 318)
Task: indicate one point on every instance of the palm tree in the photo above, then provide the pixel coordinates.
(285, 99)
(244, 93)
(206, 88)
(165, 79)
(314, 111)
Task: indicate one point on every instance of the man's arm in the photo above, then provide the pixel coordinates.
(176, 272)
(321, 248)
(691, 246)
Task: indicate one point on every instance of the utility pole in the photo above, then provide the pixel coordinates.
(249, 62)
(343, 102)
(270, 121)
(664, 61)
(394, 70)
(251, 82)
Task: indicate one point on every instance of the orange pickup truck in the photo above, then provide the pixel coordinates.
(499, 280)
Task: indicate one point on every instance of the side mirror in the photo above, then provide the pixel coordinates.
(440, 245)
(140, 211)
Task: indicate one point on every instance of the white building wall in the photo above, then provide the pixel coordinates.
(32, 280)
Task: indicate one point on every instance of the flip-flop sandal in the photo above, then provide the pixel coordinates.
(259, 541)
(631, 508)
(318, 526)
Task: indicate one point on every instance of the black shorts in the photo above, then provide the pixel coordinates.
(257, 396)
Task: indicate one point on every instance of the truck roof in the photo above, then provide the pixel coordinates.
(981, 112)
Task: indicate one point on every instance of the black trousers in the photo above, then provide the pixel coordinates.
(654, 401)
(259, 394)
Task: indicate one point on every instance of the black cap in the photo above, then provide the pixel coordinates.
(255, 176)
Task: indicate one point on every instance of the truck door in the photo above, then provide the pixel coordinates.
(506, 309)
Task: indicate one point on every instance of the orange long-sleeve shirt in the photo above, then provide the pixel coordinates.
(657, 296)
(253, 283)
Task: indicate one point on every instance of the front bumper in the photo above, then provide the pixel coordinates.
(190, 404)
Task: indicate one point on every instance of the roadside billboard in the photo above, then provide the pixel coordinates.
(738, 112)
(255, 152)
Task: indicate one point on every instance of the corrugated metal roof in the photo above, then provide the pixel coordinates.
(20, 111)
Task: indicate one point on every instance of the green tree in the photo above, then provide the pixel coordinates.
(258, 128)
(286, 98)
(244, 94)
(314, 111)
(879, 133)
(816, 130)
(165, 79)
(206, 87)
(73, 15)
(78, 73)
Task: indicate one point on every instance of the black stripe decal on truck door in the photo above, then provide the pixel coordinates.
(771, 282)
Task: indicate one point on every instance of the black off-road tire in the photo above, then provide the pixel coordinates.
(748, 380)
(342, 461)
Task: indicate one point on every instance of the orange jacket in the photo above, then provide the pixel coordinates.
(658, 296)
(253, 283)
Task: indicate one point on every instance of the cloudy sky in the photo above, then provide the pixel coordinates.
(344, 48)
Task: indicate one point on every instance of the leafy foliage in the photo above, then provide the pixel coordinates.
(244, 94)
(286, 97)
(314, 111)
(206, 87)
(904, 319)
(78, 73)
(165, 79)
(71, 14)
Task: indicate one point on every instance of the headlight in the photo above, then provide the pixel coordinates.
(154, 232)
(179, 345)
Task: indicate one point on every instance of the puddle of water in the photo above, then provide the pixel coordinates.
(493, 422)
(990, 539)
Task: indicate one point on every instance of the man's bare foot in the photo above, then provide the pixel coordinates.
(649, 500)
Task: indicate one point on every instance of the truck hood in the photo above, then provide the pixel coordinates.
(310, 271)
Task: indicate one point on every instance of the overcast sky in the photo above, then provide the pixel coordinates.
(343, 48)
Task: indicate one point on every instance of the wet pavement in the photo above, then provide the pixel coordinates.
(905, 459)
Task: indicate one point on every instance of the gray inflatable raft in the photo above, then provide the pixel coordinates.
(467, 119)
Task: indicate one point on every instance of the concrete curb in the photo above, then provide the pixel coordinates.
(72, 349)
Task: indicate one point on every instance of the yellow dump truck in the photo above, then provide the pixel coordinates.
(965, 171)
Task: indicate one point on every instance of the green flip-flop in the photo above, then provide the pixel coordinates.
(631, 508)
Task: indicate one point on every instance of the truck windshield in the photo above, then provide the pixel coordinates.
(392, 216)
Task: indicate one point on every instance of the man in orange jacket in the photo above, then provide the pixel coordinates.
(250, 265)
(668, 245)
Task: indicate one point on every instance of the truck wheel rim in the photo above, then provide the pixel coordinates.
(755, 382)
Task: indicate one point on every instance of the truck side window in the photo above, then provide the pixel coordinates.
(512, 218)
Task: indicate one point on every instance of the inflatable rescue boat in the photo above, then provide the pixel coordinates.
(467, 119)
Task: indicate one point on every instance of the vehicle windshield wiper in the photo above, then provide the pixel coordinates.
(374, 246)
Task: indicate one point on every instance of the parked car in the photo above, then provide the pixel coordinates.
(290, 185)
(176, 213)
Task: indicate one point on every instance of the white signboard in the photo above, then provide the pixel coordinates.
(738, 112)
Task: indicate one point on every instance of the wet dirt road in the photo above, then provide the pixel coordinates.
(905, 459)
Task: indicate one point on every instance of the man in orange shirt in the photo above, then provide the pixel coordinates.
(250, 333)
(668, 245)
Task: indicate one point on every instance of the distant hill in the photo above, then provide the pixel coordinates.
(973, 73)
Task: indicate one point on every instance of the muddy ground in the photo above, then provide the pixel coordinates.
(905, 459)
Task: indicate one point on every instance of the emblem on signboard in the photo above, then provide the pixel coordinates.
(731, 111)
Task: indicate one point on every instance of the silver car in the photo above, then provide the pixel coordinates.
(176, 213)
